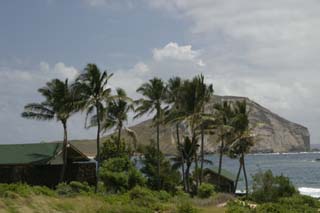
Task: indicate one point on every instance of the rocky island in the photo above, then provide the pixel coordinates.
(275, 135)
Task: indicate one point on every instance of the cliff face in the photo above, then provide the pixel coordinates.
(275, 135)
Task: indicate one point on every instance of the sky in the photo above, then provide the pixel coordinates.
(265, 50)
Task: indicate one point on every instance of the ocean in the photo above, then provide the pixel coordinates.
(302, 168)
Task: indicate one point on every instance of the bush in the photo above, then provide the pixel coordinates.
(186, 207)
(205, 190)
(63, 189)
(238, 207)
(284, 208)
(269, 188)
(163, 195)
(143, 197)
(19, 189)
(119, 175)
(109, 148)
(169, 177)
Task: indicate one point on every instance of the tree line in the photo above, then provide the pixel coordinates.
(179, 102)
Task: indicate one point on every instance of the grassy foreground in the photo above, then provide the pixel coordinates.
(22, 198)
(77, 204)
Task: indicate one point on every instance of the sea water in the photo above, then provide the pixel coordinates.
(303, 169)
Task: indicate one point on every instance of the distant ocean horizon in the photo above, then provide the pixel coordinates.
(302, 168)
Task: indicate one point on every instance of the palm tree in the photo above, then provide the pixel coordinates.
(205, 94)
(154, 93)
(58, 104)
(173, 97)
(244, 139)
(92, 87)
(117, 113)
(194, 95)
(187, 157)
(224, 115)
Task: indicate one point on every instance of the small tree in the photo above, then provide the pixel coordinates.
(119, 174)
(169, 177)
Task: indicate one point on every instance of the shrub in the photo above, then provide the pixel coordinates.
(43, 190)
(238, 207)
(80, 187)
(63, 189)
(18, 188)
(169, 177)
(269, 188)
(186, 207)
(163, 195)
(284, 208)
(143, 196)
(223, 198)
(205, 190)
(119, 175)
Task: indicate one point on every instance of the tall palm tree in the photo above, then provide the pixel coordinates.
(58, 104)
(92, 85)
(173, 98)
(224, 115)
(244, 139)
(154, 94)
(117, 113)
(205, 94)
(194, 95)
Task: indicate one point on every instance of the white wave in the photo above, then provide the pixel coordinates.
(313, 192)
(286, 153)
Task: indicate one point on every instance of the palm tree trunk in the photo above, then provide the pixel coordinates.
(196, 169)
(238, 175)
(182, 157)
(220, 160)
(158, 151)
(98, 148)
(119, 138)
(64, 151)
(187, 177)
(202, 154)
(245, 174)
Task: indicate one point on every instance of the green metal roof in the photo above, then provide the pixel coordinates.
(224, 173)
(38, 153)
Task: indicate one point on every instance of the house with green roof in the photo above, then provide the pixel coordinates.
(227, 179)
(41, 164)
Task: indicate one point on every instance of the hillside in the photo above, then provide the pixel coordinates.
(275, 135)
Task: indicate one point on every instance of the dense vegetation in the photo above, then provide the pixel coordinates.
(161, 184)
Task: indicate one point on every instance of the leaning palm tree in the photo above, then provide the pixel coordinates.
(58, 104)
(243, 140)
(92, 86)
(154, 94)
(117, 114)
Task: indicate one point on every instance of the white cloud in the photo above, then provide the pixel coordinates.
(182, 53)
(59, 70)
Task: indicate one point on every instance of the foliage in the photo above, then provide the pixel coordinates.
(205, 190)
(119, 174)
(238, 207)
(73, 188)
(169, 177)
(24, 190)
(143, 197)
(269, 188)
(186, 207)
(109, 148)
